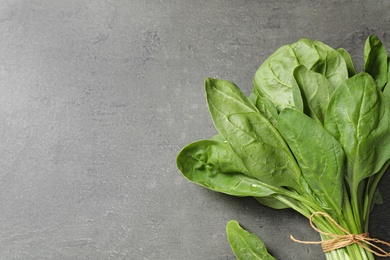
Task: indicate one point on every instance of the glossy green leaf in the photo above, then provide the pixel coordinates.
(265, 107)
(271, 202)
(219, 138)
(348, 61)
(252, 137)
(274, 80)
(316, 90)
(387, 86)
(386, 90)
(213, 164)
(331, 64)
(319, 155)
(358, 117)
(375, 60)
(246, 246)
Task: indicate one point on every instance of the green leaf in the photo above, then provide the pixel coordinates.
(358, 117)
(348, 61)
(387, 86)
(273, 202)
(319, 155)
(375, 60)
(213, 164)
(331, 64)
(219, 138)
(274, 79)
(246, 246)
(265, 107)
(252, 137)
(316, 91)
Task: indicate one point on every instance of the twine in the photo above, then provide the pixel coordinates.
(340, 241)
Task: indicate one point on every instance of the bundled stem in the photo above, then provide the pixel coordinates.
(333, 241)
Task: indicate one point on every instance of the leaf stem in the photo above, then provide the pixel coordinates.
(373, 184)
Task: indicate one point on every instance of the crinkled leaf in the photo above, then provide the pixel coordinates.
(265, 107)
(213, 164)
(319, 155)
(274, 79)
(244, 244)
(316, 91)
(358, 117)
(348, 61)
(331, 64)
(252, 137)
(375, 60)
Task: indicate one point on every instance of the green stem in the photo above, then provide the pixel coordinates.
(306, 211)
(374, 180)
(292, 205)
(347, 220)
(349, 217)
(351, 252)
(355, 205)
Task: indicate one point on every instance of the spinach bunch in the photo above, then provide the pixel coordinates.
(313, 136)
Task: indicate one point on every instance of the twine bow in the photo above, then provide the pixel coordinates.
(340, 241)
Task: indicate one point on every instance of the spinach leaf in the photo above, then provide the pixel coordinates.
(331, 64)
(375, 60)
(316, 90)
(272, 202)
(358, 117)
(213, 164)
(244, 244)
(348, 61)
(388, 75)
(319, 155)
(219, 138)
(252, 137)
(265, 107)
(274, 79)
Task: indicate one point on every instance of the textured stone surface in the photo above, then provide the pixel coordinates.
(98, 97)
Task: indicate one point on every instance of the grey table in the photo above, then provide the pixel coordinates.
(98, 97)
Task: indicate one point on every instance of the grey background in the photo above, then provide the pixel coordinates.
(98, 97)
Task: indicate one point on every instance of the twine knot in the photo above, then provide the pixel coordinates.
(340, 241)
